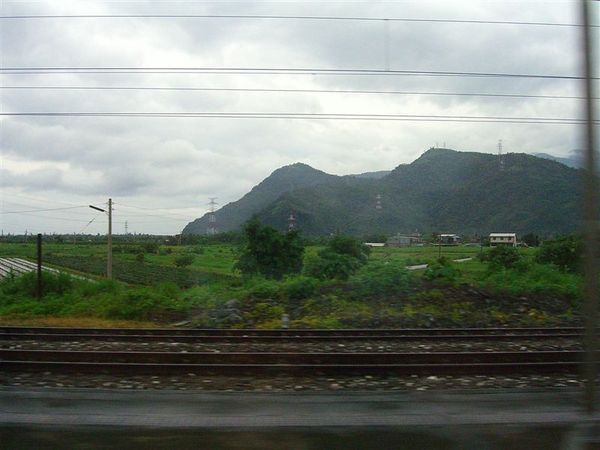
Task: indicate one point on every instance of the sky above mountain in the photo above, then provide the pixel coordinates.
(161, 171)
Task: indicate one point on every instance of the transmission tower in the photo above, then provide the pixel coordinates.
(378, 202)
(500, 156)
(212, 218)
(292, 221)
(126, 233)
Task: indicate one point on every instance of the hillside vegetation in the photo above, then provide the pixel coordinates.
(442, 191)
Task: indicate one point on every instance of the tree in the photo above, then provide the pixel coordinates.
(564, 252)
(342, 257)
(268, 252)
(532, 240)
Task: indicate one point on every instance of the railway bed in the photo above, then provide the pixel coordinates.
(277, 336)
(316, 362)
(236, 363)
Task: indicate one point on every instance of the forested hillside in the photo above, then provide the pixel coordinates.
(442, 191)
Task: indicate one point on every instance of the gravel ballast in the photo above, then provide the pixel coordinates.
(340, 346)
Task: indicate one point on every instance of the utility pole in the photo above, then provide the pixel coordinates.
(39, 266)
(109, 256)
(109, 243)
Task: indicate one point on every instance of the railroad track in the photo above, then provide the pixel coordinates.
(301, 363)
(297, 363)
(274, 336)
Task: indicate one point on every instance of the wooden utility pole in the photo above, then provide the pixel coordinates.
(39, 286)
(109, 243)
(109, 256)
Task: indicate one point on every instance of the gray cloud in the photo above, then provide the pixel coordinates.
(174, 165)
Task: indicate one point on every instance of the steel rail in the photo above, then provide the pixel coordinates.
(282, 338)
(302, 358)
(6, 330)
(296, 369)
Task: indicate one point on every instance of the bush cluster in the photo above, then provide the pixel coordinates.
(341, 258)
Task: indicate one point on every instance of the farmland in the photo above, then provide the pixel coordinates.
(151, 289)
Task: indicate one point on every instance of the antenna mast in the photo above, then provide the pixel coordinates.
(500, 156)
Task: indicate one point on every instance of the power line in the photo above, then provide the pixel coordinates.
(317, 91)
(38, 208)
(41, 210)
(43, 200)
(281, 17)
(183, 216)
(275, 71)
(89, 223)
(311, 116)
(64, 219)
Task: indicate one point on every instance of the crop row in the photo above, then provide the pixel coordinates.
(135, 272)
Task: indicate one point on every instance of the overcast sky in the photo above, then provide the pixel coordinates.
(161, 172)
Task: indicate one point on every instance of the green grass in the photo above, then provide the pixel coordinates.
(382, 293)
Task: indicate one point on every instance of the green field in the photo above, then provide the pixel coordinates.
(209, 292)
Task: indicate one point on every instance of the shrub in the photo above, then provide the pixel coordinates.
(347, 245)
(342, 257)
(300, 287)
(441, 269)
(328, 265)
(140, 257)
(503, 256)
(563, 252)
(150, 247)
(265, 315)
(262, 288)
(52, 283)
(382, 278)
(539, 278)
(184, 260)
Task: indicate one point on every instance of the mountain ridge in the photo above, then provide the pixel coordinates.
(443, 190)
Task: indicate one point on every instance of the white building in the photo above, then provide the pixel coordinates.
(450, 239)
(509, 239)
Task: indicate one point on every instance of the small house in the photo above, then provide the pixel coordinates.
(374, 244)
(509, 239)
(400, 240)
(450, 239)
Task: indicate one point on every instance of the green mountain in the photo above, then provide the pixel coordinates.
(573, 160)
(284, 179)
(442, 191)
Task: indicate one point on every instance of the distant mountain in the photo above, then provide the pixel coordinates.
(284, 179)
(442, 191)
(375, 175)
(573, 160)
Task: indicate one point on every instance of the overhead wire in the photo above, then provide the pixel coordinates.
(317, 91)
(89, 223)
(42, 210)
(311, 116)
(284, 17)
(184, 216)
(276, 71)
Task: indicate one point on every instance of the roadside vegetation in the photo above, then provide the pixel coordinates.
(254, 279)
